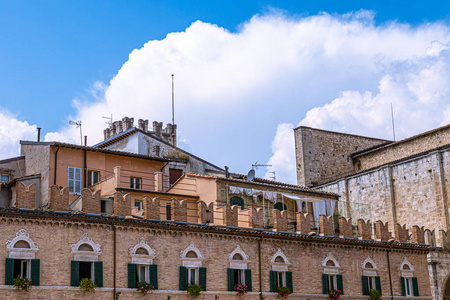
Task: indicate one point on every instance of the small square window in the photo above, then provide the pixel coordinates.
(93, 177)
(192, 276)
(138, 204)
(135, 183)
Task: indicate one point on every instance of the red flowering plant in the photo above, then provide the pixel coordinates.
(145, 287)
(22, 283)
(241, 289)
(334, 294)
(87, 285)
(283, 291)
(194, 290)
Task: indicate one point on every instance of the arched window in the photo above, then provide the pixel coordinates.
(331, 279)
(85, 264)
(21, 262)
(237, 256)
(192, 270)
(409, 282)
(191, 254)
(141, 267)
(237, 201)
(280, 274)
(280, 206)
(370, 278)
(238, 273)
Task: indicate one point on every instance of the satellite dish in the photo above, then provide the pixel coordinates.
(251, 175)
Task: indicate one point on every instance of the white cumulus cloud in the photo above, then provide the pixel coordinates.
(12, 130)
(232, 89)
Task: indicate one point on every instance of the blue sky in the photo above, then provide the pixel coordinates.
(52, 52)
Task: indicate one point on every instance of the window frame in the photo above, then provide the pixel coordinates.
(371, 284)
(141, 204)
(91, 263)
(280, 279)
(134, 184)
(146, 268)
(8, 175)
(240, 278)
(332, 282)
(408, 286)
(74, 180)
(90, 178)
(195, 271)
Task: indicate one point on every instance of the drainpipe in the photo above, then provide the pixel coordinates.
(389, 272)
(56, 165)
(259, 267)
(116, 296)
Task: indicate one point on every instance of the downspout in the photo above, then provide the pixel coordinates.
(85, 168)
(116, 296)
(389, 272)
(259, 269)
(56, 165)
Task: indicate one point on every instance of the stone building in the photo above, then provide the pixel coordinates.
(402, 182)
(159, 142)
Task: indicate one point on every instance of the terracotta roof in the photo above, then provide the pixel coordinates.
(264, 182)
(93, 149)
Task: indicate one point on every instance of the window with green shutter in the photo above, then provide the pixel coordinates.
(340, 283)
(98, 273)
(378, 284)
(183, 278)
(132, 276)
(154, 276)
(35, 272)
(202, 278)
(415, 287)
(325, 284)
(230, 273)
(365, 285)
(248, 279)
(289, 281)
(9, 271)
(273, 281)
(74, 273)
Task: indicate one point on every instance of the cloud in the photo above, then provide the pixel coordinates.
(12, 131)
(232, 89)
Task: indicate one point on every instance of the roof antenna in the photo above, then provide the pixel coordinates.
(110, 119)
(78, 124)
(393, 125)
(173, 112)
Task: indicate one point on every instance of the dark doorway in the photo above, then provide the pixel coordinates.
(85, 269)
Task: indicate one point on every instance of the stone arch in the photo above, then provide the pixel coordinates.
(189, 248)
(238, 251)
(328, 259)
(82, 249)
(277, 255)
(406, 265)
(369, 261)
(141, 253)
(22, 246)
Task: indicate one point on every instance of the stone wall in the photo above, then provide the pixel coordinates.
(323, 154)
(305, 257)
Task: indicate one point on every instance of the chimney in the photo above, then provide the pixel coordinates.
(157, 127)
(39, 134)
(85, 140)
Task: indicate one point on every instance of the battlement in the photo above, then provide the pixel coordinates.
(167, 133)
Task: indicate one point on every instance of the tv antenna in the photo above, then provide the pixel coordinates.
(78, 124)
(393, 125)
(255, 166)
(274, 176)
(173, 112)
(110, 119)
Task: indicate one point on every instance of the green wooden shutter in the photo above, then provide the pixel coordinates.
(415, 287)
(273, 282)
(154, 276)
(365, 286)
(74, 273)
(289, 281)
(325, 284)
(402, 280)
(183, 278)
(35, 271)
(9, 271)
(202, 278)
(248, 279)
(98, 273)
(378, 284)
(340, 284)
(230, 279)
(132, 276)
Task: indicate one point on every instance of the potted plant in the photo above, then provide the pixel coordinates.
(374, 294)
(145, 287)
(283, 291)
(22, 283)
(194, 290)
(241, 289)
(334, 294)
(87, 285)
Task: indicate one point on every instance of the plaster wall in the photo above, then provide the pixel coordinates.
(37, 161)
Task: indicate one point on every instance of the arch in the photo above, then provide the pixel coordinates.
(85, 249)
(189, 248)
(239, 251)
(278, 254)
(406, 265)
(369, 261)
(280, 206)
(330, 257)
(237, 256)
(141, 253)
(22, 246)
(236, 200)
(279, 259)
